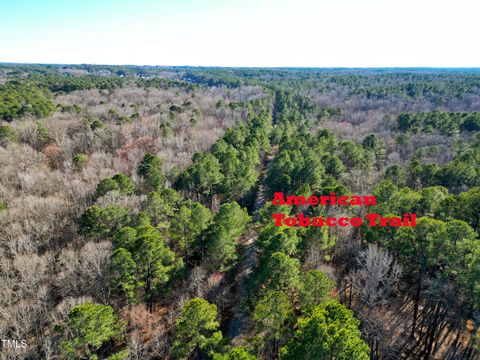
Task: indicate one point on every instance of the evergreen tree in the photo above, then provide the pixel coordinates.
(103, 222)
(125, 184)
(196, 330)
(237, 353)
(155, 261)
(87, 328)
(228, 224)
(119, 182)
(122, 274)
(150, 169)
(315, 289)
(7, 134)
(202, 177)
(330, 332)
(277, 272)
(271, 315)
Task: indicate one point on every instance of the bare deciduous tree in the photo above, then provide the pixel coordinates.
(85, 272)
(376, 277)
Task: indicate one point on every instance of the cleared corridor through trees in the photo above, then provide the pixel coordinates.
(239, 322)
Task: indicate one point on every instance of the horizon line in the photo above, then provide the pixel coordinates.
(243, 67)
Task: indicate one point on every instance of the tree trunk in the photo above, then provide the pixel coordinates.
(457, 337)
(432, 331)
(418, 289)
(350, 296)
(148, 291)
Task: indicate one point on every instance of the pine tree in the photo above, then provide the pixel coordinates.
(87, 328)
(330, 332)
(196, 330)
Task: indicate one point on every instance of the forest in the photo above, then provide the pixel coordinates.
(138, 213)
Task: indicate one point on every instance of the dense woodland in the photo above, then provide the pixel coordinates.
(135, 213)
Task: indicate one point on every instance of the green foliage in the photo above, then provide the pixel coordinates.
(125, 184)
(221, 104)
(271, 315)
(203, 176)
(94, 123)
(433, 243)
(277, 271)
(269, 209)
(439, 249)
(69, 83)
(122, 274)
(329, 112)
(142, 260)
(237, 167)
(70, 108)
(87, 328)
(103, 222)
(121, 355)
(136, 117)
(431, 197)
(105, 186)
(7, 134)
(155, 261)
(196, 330)
(321, 239)
(355, 156)
(467, 271)
(166, 128)
(384, 190)
(187, 225)
(333, 165)
(330, 332)
(447, 123)
(43, 135)
(404, 201)
(291, 106)
(79, 160)
(274, 239)
(470, 207)
(382, 235)
(20, 98)
(150, 169)
(442, 248)
(235, 136)
(163, 83)
(237, 353)
(433, 87)
(373, 143)
(471, 122)
(230, 170)
(418, 242)
(396, 174)
(175, 108)
(125, 238)
(161, 205)
(315, 289)
(293, 170)
(228, 224)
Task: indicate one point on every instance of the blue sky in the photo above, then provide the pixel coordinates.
(310, 33)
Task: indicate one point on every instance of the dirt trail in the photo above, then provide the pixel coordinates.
(238, 325)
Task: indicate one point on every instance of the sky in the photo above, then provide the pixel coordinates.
(247, 33)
